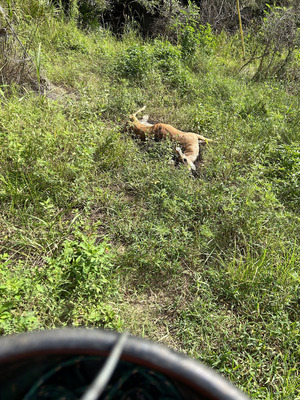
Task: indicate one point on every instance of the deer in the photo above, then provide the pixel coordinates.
(189, 141)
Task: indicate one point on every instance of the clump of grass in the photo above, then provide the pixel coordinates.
(284, 172)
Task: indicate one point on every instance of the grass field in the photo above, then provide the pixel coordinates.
(98, 229)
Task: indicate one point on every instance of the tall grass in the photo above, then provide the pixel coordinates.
(101, 230)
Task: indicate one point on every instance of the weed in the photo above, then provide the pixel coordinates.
(167, 59)
(71, 288)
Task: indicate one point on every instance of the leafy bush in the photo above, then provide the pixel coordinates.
(188, 41)
(166, 53)
(193, 37)
(134, 62)
(207, 39)
(167, 59)
(137, 61)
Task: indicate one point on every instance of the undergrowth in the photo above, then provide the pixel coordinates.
(101, 230)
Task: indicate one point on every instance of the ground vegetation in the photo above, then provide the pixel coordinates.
(101, 230)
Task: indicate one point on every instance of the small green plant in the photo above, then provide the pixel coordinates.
(73, 288)
(164, 58)
(84, 268)
(165, 54)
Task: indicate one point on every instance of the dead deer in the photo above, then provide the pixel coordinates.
(188, 140)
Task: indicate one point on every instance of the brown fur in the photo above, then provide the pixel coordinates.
(188, 140)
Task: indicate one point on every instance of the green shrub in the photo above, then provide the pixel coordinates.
(207, 40)
(192, 38)
(188, 41)
(163, 57)
(165, 54)
(167, 59)
(82, 278)
(134, 62)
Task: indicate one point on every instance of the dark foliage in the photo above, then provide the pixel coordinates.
(154, 17)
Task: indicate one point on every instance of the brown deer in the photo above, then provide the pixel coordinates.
(188, 140)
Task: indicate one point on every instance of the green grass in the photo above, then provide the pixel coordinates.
(101, 230)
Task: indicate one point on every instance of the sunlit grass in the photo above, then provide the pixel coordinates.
(208, 264)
